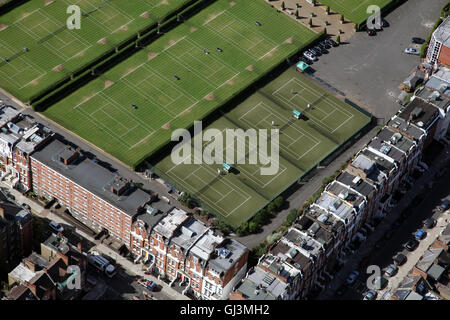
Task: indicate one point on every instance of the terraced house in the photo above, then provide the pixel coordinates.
(191, 255)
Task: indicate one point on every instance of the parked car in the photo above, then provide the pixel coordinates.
(412, 51)
(321, 49)
(331, 42)
(310, 56)
(371, 32)
(55, 227)
(429, 223)
(411, 245)
(370, 295)
(417, 40)
(400, 259)
(444, 206)
(391, 270)
(325, 44)
(315, 52)
(384, 23)
(352, 277)
(420, 234)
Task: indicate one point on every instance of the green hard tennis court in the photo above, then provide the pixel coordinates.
(303, 144)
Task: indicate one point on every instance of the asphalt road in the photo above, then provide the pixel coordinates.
(369, 70)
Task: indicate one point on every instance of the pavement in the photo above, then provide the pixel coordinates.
(130, 267)
(383, 257)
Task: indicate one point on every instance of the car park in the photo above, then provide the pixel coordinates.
(391, 270)
(411, 245)
(370, 295)
(400, 259)
(352, 277)
(429, 223)
(412, 51)
(55, 227)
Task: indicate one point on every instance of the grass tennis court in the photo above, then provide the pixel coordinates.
(354, 10)
(183, 76)
(54, 51)
(304, 142)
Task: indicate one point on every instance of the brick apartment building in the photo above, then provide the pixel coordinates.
(19, 137)
(94, 195)
(16, 233)
(439, 47)
(188, 253)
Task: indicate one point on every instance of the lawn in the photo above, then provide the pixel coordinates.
(304, 143)
(55, 52)
(354, 10)
(191, 71)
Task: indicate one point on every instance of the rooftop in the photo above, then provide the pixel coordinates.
(436, 98)
(227, 253)
(385, 150)
(260, 285)
(206, 245)
(92, 177)
(7, 113)
(345, 193)
(382, 165)
(396, 140)
(440, 81)
(326, 220)
(190, 231)
(22, 273)
(420, 113)
(57, 243)
(170, 223)
(304, 241)
(428, 258)
(356, 183)
(442, 33)
(335, 205)
(403, 126)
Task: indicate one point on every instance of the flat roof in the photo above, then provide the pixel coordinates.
(22, 273)
(343, 192)
(189, 233)
(385, 150)
(419, 112)
(91, 176)
(229, 251)
(404, 127)
(304, 241)
(172, 221)
(436, 98)
(356, 183)
(442, 33)
(396, 139)
(335, 205)
(7, 113)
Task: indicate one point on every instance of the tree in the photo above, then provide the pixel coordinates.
(338, 40)
(283, 6)
(310, 22)
(296, 15)
(328, 10)
(342, 19)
